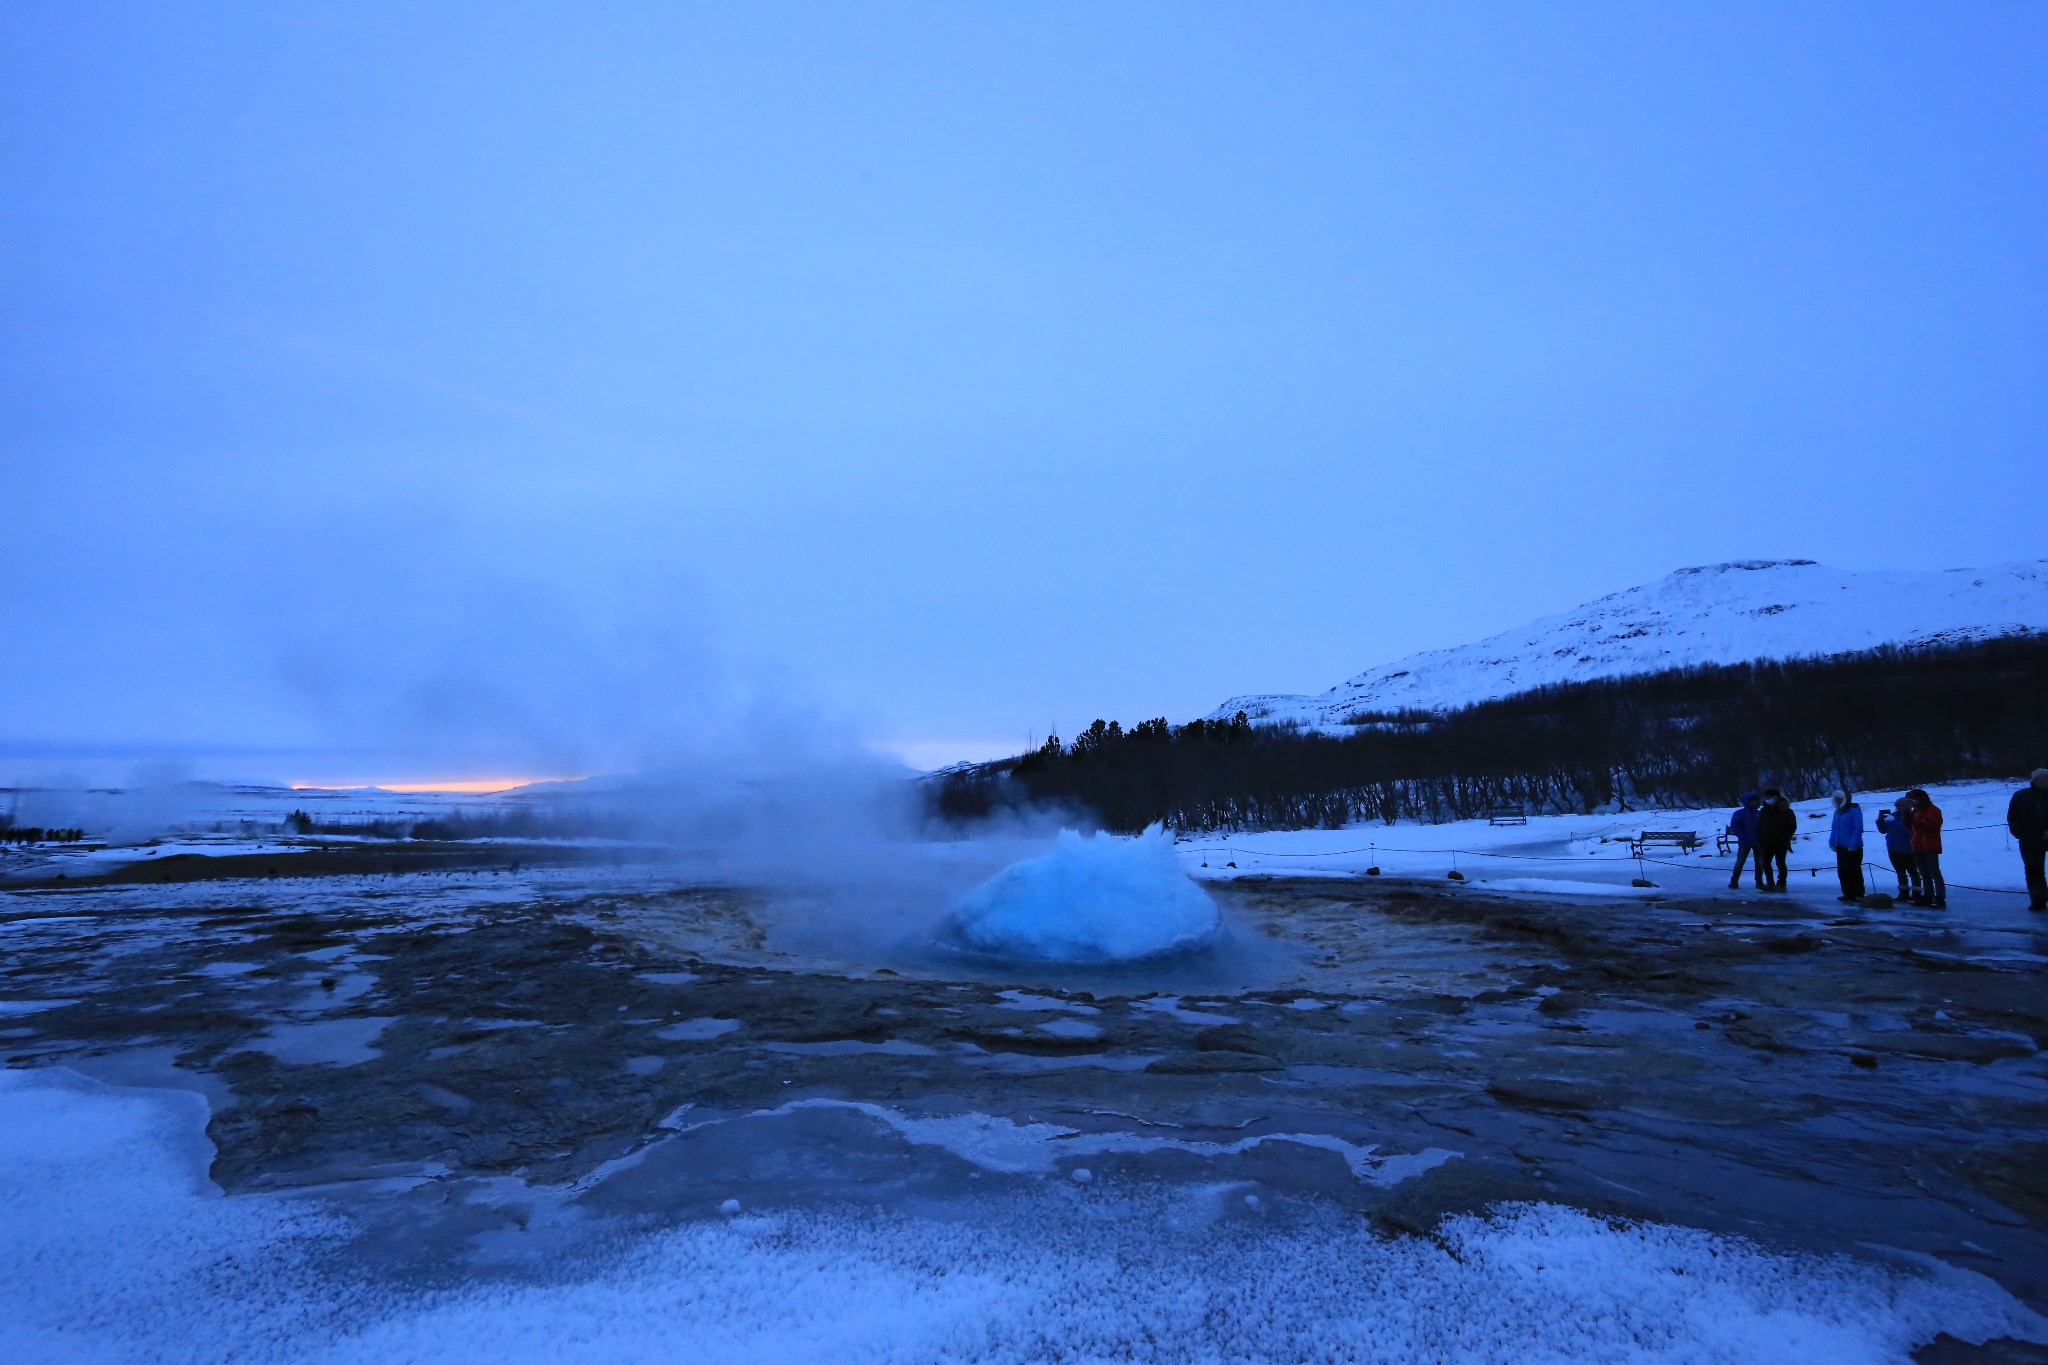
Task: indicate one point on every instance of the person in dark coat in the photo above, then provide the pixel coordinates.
(2027, 819)
(1896, 825)
(1776, 824)
(1742, 828)
(1927, 850)
(1845, 837)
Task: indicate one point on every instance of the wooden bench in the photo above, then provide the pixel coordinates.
(1506, 815)
(1682, 839)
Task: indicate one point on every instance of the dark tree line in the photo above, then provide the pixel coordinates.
(301, 822)
(1888, 718)
(35, 834)
(506, 824)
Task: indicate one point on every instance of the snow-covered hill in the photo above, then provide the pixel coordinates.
(1723, 613)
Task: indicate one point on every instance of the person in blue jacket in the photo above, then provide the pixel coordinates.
(1896, 825)
(1845, 837)
(1742, 825)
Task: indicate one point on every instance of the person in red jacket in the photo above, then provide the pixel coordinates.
(1927, 850)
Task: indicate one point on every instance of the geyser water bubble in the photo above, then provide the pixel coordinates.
(1102, 898)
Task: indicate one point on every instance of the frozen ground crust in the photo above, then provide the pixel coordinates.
(116, 1247)
(1091, 900)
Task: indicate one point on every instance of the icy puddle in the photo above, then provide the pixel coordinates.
(324, 1042)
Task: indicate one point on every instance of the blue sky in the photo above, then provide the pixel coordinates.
(515, 388)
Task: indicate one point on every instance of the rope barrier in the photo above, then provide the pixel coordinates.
(1456, 853)
(1467, 852)
(1818, 868)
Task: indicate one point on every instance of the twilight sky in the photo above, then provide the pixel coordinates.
(398, 391)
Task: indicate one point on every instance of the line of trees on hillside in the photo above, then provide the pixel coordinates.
(1886, 718)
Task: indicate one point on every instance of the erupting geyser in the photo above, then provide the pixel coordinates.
(1097, 899)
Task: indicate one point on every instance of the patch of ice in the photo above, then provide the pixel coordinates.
(670, 978)
(11, 1009)
(998, 1144)
(1096, 899)
(697, 1030)
(324, 1042)
(1169, 1005)
(1025, 1064)
(346, 987)
(851, 1047)
(1070, 1028)
(1025, 1000)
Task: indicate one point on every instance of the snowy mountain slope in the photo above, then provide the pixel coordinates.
(1722, 613)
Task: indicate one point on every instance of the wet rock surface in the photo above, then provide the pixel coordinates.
(1754, 1070)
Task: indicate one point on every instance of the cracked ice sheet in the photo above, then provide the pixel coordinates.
(117, 1247)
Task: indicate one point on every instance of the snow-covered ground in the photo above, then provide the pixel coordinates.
(119, 1247)
(907, 1166)
(1589, 854)
(1722, 613)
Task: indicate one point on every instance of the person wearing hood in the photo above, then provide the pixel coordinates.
(1927, 850)
(1845, 837)
(1742, 828)
(2027, 819)
(1896, 825)
(1776, 825)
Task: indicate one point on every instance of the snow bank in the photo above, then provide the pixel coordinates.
(113, 1247)
(1099, 899)
(1539, 1284)
(112, 1239)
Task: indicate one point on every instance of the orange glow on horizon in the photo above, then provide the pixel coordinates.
(468, 786)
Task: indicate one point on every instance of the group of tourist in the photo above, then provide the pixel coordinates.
(1765, 824)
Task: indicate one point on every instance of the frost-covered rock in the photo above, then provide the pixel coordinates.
(1097, 899)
